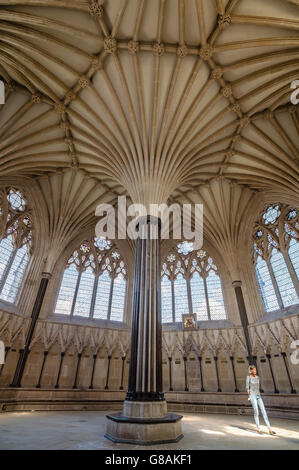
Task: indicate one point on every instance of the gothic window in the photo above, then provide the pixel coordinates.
(199, 301)
(15, 242)
(190, 283)
(180, 297)
(275, 256)
(94, 282)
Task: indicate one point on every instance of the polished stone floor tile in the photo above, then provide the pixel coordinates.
(85, 430)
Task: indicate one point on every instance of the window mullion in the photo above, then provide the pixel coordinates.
(172, 300)
(291, 271)
(7, 269)
(110, 298)
(278, 296)
(207, 296)
(189, 294)
(125, 302)
(93, 299)
(76, 293)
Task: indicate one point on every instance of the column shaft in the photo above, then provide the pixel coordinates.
(94, 359)
(170, 373)
(122, 372)
(234, 373)
(108, 371)
(271, 371)
(34, 317)
(185, 374)
(217, 373)
(201, 376)
(59, 370)
(42, 369)
(243, 316)
(145, 377)
(77, 370)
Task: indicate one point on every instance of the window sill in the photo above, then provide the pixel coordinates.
(96, 323)
(9, 307)
(277, 314)
(213, 324)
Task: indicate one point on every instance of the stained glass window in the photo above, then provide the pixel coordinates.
(187, 272)
(84, 295)
(275, 254)
(199, 301)
(15, 275)
(67, 290)
(185, 247)
(94, 282)
(282, 276)
(265, 285)
(216, 302)
(102, 296)
(166, 296)
(180, 297)
(15, 242)
(118, 298)
(294, 255)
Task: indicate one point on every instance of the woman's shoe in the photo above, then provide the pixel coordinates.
(260, 431)
(272, 432)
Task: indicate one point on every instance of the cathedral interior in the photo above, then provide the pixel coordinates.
(168, 102)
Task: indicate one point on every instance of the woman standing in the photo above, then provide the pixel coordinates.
(253, 389)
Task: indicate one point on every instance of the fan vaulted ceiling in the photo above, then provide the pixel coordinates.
(162, 100)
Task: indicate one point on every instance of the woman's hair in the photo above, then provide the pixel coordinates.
(250, 368)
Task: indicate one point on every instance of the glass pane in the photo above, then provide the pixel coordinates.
(166, 299)
(15, 276)
(216, 301)
(294, 255)
(6, 249)
(199, 303)
(102, 296)
(283, 279)
(180, 297)
(118, 299)
(84, 296)
(265, 285)
(67, 291)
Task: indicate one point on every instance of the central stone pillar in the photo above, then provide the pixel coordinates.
(144, 419)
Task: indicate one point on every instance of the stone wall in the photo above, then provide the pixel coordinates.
(270, 341)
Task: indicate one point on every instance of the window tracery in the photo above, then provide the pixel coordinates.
(15, 241)
(190, 283)
(276, 255)
(94, 282)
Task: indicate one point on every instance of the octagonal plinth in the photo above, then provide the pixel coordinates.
(144, 431)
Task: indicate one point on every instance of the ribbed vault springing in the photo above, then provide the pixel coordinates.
(155, 98)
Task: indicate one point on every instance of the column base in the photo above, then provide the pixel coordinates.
(144, 431)
(145, 409)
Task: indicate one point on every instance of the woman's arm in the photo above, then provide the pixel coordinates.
(247, 384)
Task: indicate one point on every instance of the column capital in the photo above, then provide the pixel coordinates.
(46, 275)
(236, 284)
(149, 219)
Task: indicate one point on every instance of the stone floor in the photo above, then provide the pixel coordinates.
(85, 430)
